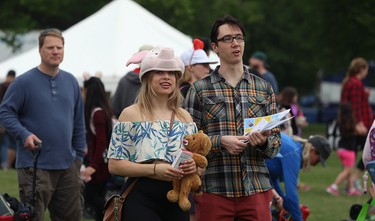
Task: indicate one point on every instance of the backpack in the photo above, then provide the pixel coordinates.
(11, 209)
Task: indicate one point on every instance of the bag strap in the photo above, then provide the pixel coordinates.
(92, 126)
(127, 191)
(171, 121)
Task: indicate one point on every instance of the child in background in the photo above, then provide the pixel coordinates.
(288, 99)
(346, 151)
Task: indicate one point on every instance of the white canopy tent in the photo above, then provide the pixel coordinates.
(105, 41)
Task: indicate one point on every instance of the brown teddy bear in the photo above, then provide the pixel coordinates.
(199, 144)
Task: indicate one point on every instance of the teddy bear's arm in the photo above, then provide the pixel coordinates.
(200, 160)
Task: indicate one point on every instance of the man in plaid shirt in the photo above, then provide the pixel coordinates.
(236, 182)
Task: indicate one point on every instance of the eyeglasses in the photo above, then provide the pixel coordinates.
(229, 39)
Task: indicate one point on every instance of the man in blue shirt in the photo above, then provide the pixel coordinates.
(44, 105)
(258, 62)
(295, 154)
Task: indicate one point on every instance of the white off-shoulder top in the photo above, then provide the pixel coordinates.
(148, 140)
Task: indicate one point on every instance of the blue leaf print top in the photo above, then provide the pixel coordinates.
(148, 140)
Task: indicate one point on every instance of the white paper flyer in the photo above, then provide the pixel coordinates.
(265, 123)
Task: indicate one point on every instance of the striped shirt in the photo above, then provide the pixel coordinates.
(219, 109)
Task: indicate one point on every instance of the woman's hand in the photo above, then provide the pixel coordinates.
(90, 170)
(188, 167)
(361, 129)
(164, 171)
(86, 173)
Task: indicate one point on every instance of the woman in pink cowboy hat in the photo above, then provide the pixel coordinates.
(148, 134)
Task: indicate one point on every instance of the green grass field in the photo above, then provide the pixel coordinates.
(323, 207)
(9, 184)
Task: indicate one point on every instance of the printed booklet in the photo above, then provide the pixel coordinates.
(265, 123)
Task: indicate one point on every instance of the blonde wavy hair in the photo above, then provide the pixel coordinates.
(307, 146)
(186, 77)
(146, 94)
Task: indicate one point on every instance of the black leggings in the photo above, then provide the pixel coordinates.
(147, 201)
(361, 140)
(95, 197)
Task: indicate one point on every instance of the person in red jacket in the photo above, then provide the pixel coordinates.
(355, 92)
(98, 119)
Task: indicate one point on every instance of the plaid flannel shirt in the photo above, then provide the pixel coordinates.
(354, 92)
(219, 109)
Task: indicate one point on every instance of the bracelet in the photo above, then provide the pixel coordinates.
(155, 169)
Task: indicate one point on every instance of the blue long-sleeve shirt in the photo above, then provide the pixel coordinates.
(52, 109)
(285, 168)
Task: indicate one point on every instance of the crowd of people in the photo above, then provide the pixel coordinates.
(7, 142)
(85, 137)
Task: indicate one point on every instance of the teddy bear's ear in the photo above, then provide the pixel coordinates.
(201, 131)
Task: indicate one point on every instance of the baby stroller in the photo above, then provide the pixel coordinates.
(366, 211)
(11, 209)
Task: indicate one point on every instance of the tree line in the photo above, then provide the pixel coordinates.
(301, 38)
